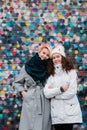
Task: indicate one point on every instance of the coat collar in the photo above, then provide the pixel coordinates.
(58, 69)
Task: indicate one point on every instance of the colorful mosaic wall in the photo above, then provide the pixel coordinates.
(24, 25)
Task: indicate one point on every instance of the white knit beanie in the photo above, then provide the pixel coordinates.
(59, 49)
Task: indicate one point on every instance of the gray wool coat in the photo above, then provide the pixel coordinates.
(35, 113)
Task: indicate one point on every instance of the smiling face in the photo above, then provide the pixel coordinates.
(57, 58)
(44, 54)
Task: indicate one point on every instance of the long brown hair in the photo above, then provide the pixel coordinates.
(67, 65)
(50, 67)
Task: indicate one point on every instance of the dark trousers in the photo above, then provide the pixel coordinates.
(63, 127)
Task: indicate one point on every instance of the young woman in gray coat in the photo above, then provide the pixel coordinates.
(35, 113)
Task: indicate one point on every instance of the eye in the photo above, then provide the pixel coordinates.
(53, 58)
(47, 55)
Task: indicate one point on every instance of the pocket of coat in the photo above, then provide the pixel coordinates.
(30, 95)
(54, 112)
(72, 109)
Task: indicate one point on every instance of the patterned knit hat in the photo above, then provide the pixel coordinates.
(59, 49)
(45, 46)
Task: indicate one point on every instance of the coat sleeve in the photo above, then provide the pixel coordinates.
(51, 92)
(72, 91)
(19, 81)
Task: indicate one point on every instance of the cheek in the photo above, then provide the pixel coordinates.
(48, 57)
(54, 60)
(57, 61)
(60, 59)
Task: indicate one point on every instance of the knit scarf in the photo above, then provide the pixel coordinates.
(37, 68)
(58, 69)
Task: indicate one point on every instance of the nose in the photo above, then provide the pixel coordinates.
(45, 56)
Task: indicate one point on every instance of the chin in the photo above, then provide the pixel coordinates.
(42, 58)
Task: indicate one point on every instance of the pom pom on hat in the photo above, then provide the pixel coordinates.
(58, 49)
(45, 46)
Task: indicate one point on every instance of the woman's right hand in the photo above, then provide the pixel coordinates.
(23, 93)
(65, 88)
